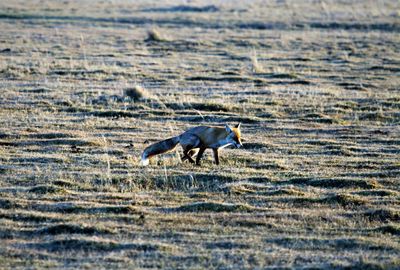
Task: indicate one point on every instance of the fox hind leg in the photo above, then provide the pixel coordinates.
(188, 155)
(193, 152)
(189, 144)
(199, 155)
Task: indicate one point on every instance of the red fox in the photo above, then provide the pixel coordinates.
(196, 140)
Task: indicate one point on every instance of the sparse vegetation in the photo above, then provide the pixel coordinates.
(154, 35)
(256, 66)
(85, 87)
(137, 93)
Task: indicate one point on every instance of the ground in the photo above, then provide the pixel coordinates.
(87, 85)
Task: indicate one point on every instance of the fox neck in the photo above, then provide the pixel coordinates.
(221, 144)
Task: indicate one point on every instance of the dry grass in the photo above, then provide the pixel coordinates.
(137, 93)
(315, 186)
(154, 35)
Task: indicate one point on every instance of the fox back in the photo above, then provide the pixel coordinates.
(216, 136)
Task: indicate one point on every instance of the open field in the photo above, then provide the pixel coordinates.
(315, 85)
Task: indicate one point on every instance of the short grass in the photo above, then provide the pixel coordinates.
(87, 85)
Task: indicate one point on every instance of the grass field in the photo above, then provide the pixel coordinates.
(315, 85)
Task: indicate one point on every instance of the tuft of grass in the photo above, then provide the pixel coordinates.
(137, 93)
(256, 66)
(154, 35)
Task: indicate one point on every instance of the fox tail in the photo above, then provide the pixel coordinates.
(158, 148)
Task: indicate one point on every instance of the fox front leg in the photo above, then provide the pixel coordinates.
(199, 155)
(216, 157)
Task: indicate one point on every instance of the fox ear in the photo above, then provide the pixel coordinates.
(238, 125)
(228, 128)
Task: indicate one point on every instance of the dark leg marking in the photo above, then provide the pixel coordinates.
(199, 155)
(216, 157)
(187, 156)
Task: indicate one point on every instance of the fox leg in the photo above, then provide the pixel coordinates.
(199, 155)
(216, 157)
(187, 155)
(193, 152)
(189, 143)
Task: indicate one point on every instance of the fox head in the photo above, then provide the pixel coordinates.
(234, 135)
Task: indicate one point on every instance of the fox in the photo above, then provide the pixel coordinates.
(195, 141)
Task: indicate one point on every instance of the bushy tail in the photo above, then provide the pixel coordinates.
(158, 148)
